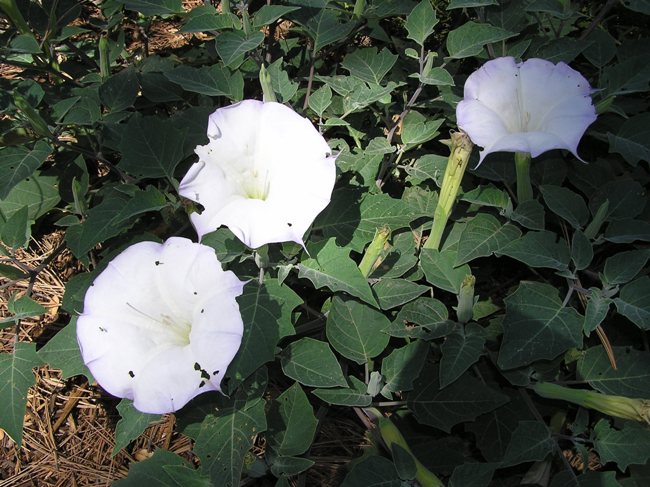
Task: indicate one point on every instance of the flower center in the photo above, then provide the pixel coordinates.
(254, 185)
(178, 331)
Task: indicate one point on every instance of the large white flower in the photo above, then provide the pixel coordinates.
(161, 324)
(532, 107)
(266, 173)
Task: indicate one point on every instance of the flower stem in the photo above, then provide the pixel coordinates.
(461, 148)
(267, 87)
(374, 250)
(524, 188)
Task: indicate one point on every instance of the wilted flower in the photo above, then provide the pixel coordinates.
(531, 107)
(266, 173)
(160, 324)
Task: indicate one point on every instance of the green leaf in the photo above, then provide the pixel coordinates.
(18, 163)
(428, 167)
(391, 293)
(529, 214)
(62, 352)
(634, 302)
(22, 307)
(402, 367)
(332, 267)
(151, 147)
(114, 214)
(470, 3)
(424, 318)
(459, 352)
(531, 441)
(537, 326)
(15, 379)
(631, 378)
(368, 64)
(85, 112)
(439, 269)
(640, 6)
(487, 195)
(472, 474)
(596, 310)
(312, 363)
(291, 423)
(602, 49)
(39, 193)
(215, 80)
(154, 7)
(12, 273)
(266, 311)
(566, 204)
(154, 471)
(225, 437)
(373, 471)
(631, 141)
(493, 430)
(539, 249)
(120, 90)
(417, 129)
(205, 18)
(582, 251)
(461, 401)
(131, 424)
(624, 266)
(628, 76)
(567, 478)
(320, 99)
(628, 231)
(280, 81)
(469, 39)
(626, 199)
(421, 22)
(355, 396)
(483, 236)
(25, 44)
(355, 329)
(16, 230)
(324, 29)
(629, 445)
(289, 466)
(268, 14)
(232, 45)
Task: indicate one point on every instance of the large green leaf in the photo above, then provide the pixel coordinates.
(356, 395)
(368, 64)
(205, 18)
(628, 231)
(530, 441)
(120, 90)
(631, 444)
(291, 422)
(460, 351)
(566, 204)
(634, 302)
(418, 129)
(266, 311)
(131, 424)
(62, 352)
(461, 401)
(539, 249)
(373, 471)
(40, 193)
(18, 163)
(596, 310)
(16, 378)
(469, 39)
(624, 266)
(332, 267)
(232, 45)
(114, 214)
(163, 469)
(151, 147)
(324, 28)
(355, 329)
(391, 293)
(631, 141)
(424, 318)
(215, 80)
(472, 475)
(421, 22)
(440, 271)
(482, 236)
(626, 199)
(16, 231)
(630, 378)
(402, 366)
(312, 363)
(537, 326)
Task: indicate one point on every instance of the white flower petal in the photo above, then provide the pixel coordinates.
(532, 106)
(266, 174)
(155, 312)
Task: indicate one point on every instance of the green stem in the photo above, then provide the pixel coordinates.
(461, 148)
(374, 250)
(14, 15)
(524, 188)
(104, 58)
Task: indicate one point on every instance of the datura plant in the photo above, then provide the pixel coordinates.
(161, 324)
(265, 173)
